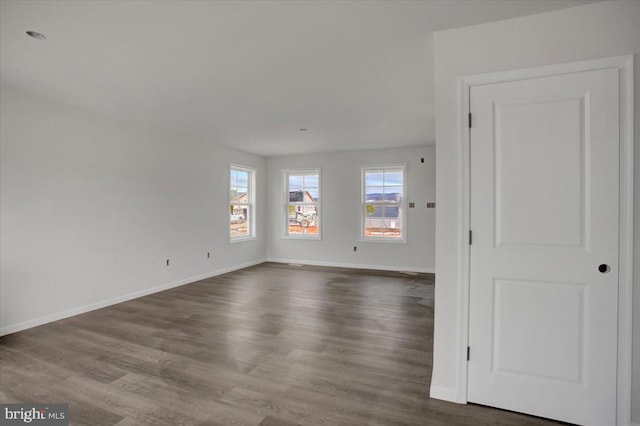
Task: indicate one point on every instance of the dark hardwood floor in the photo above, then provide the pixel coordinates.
(272, 345)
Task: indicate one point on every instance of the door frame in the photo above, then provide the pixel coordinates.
(624, 65)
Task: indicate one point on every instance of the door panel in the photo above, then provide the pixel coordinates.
(544, 215)
(556, 197)
(538, 307)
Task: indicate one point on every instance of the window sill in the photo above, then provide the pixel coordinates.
(302, 237)
(383, 240)
(234, 240)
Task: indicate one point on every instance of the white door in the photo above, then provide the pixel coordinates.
(544, 254)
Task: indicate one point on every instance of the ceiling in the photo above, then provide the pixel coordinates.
(247, 74)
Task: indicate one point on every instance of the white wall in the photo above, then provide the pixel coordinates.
(593, 31)
(341, 211)
(90, 210)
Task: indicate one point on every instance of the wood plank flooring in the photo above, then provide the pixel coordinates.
(271, 345)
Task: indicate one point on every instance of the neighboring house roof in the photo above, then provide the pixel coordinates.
(241, 198)
(396, 197)
(390, 212)
(300, 197)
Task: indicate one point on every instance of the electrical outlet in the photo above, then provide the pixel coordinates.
(412, 205)
(355, 248)
(167, 262)
(431, 205)
(208, 255)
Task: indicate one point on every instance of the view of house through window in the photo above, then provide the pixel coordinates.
(383, 203)
(303, 203)
(241, 198)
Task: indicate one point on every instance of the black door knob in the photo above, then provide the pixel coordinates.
(604, 268)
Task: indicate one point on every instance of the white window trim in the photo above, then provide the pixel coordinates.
(363, 238)
(251, 203)
(285, 204)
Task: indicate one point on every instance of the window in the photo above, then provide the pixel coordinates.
(302, 210)
(241, 203)
(383, 203)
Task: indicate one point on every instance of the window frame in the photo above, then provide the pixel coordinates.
(286, 203)
(402, 205)
(251, 203)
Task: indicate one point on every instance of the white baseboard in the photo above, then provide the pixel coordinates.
(35, 322)
(353, 265)
(14, 328)
(444, 394)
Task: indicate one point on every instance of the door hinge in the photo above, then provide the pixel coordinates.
(468, 353)
(470, 237)
(470, 121)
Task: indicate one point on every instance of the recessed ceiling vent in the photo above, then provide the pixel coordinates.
(36, 35)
